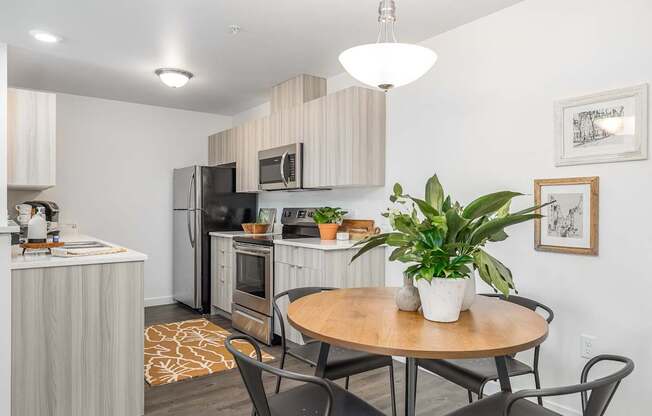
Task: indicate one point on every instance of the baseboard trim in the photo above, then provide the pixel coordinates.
(162, 300)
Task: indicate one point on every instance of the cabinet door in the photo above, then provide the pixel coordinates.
(31, 139)
(221, 148)
(316, 151)
(286, 127)
(250, 137)
(355, 138)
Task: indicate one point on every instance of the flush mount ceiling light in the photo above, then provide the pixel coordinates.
(46, 37)
(173, 78)
(387, 63)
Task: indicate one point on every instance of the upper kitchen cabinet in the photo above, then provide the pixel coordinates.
(249, 138)
(344, 139)
(31, 139)
(286, 127)
(221, 148)
(296, 91)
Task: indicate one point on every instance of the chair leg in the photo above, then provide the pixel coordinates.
(481, 392)
(392, 390)
(278, 378)
(537, 384)
(346, 383)
(470, 396)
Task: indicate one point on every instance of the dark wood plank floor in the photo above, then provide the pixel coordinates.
(223, 393)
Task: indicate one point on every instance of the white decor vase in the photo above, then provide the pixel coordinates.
(407, 297)
(469, 293)
(441, 299)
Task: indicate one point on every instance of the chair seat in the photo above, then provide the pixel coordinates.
(341, 362)
(495, 406)
(310, 399)
(473, 373)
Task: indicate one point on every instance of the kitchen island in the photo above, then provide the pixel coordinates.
(77, 333)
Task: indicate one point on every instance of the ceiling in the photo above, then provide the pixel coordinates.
(110, 49)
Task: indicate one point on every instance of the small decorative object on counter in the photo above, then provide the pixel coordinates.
(359, 229)
(342, 236)
(37, 227)
(256, 228)
(407, 297)
(328, 219)
(443, 243)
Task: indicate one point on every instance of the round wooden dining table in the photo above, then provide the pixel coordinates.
(367, 319)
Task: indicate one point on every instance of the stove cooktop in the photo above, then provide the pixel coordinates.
(297, 223)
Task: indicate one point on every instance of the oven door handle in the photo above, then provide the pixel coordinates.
(283, 178)
(259, 253)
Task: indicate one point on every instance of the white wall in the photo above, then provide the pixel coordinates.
(483, 120)
(114, 174)
(5, 279)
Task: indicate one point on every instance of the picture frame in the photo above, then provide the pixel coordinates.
(570, 225)
(610, 126)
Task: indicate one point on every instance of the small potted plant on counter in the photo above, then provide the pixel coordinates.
(328, 219)
(443, 243)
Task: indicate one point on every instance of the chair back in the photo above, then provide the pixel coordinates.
(603, 389)
(251, 369)
(531, 304)
(292, 295)
(251, 373)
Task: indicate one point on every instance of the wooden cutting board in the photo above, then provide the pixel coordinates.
(359, 229)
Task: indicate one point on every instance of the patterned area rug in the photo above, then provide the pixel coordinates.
(183, 350)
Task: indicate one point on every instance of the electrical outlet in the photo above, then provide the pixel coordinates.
(587, 345)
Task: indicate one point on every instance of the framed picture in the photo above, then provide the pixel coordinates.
(608, 127)
(570, 222)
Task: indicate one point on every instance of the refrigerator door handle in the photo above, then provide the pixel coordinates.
(190, 236)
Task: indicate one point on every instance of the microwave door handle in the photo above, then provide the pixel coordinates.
(283, 178)
(190, 236)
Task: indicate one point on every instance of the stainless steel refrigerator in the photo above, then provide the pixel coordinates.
(204, 201)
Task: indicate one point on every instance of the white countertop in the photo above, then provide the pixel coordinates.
(10, 227)
(35, 261)
(231, 234)
(318, 244)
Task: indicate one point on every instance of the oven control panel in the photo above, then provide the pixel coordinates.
(298, 216)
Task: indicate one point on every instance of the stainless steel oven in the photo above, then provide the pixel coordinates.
(281, 168)
(253, 290)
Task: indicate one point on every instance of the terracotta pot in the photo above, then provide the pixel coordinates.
(328, 231)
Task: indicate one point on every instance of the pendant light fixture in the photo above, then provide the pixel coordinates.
(387, 63)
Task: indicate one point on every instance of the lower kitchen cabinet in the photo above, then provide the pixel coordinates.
(296, 267)
(222, 274)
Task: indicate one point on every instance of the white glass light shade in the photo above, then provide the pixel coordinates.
(174, 78)
(387, 65)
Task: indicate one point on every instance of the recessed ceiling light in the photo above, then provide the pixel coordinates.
(173, 78)
(44, 36)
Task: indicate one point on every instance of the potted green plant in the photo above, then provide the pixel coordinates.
(443, 243)
(328, 219)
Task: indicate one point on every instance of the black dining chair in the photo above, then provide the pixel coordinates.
(601, 392)
(341, 362)
(315, 397)
(474, 374)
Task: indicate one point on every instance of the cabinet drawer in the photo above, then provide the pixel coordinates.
(299, 256)
(224, 245)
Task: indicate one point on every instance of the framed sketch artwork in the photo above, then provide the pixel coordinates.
(608, 127)
(570, 221)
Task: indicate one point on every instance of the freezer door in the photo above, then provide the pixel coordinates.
(184, 259)
(185, 187)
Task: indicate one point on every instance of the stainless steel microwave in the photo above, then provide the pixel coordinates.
(280, 168)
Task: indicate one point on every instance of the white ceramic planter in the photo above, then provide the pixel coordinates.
(469, 293)
(441, 299)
